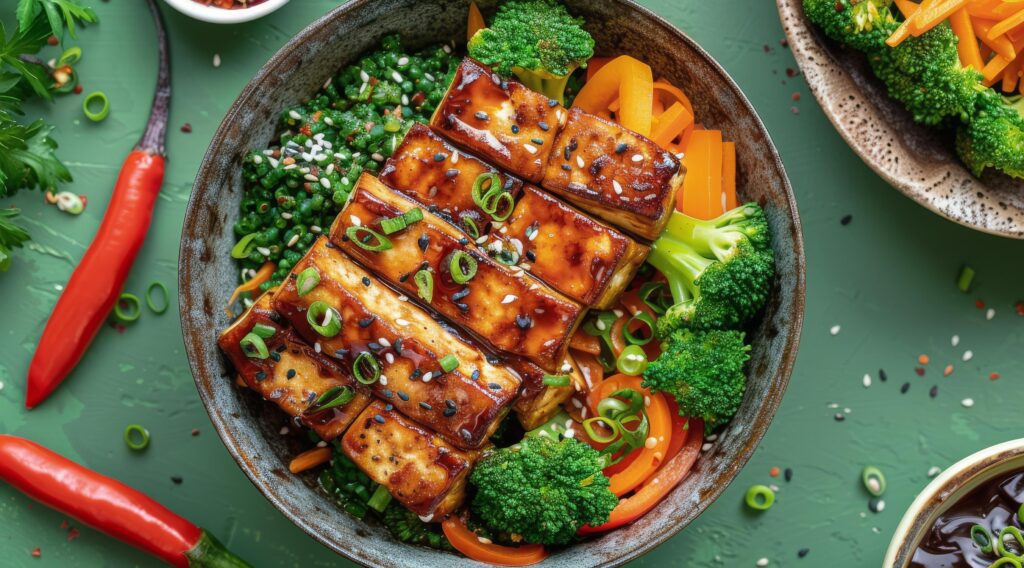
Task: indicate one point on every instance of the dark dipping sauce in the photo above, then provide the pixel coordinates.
(993, 505)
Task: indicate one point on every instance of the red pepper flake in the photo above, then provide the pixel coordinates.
(195, 431)
(923, 359)
(794, 110)
(790, 72)
(980, 304)
(52, 40)
(993, 376)
(774, 472)
(36, 552)
(306, 130)
(63, 524)
(73, 534)
(77, 90)
(947, 371)
(186, 128)
(795, 96)
(784, 42)
(767, 48)
(919, 371)
(1019, 306)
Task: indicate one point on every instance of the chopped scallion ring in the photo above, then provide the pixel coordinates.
(470, 226)
(449, 363)
(366, 368)
(424, 285)
(393, 225)
(127, 308)
(760, 497)
(264, 331)
(484, 185)
(70, 56)
(494, 205)
(556, 380)
(324, 319)
(597, 435)
(981, 537)
(966, 278)
(656, 296)
(243, 248)
(632, 361)
(1017, 553)
(136, 437)
(87, 103)
(874, 480)
(254, 347)
(413, 216)
(165, 302)
(462, 266)
(307, 280)
(364, 238)
(647, 320)
(331, 398)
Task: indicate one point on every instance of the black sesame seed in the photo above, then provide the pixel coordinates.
(462, 307)
(840, 417)
(281, 348)
(552, 103)
(882, 376)
(403, 277)
(451, 172)
(424, 265)
(567, 167)
(460, 294)
(515, 129)
(374, 346)
(366, 322)
(397, 345)
(620, 147)
(846, 220)
(543, 126)
(389, 407)
(423, 241)
(934, 392)
(311, 398)
(403, 395)
(415, 374)
(481, 115)
(531, 256)
(463, 241)
(260, 376)
(802, 552)
(378, 418)
(493, 360)
(449, 412)
(366, 280)
(537, 141)
(387, 393)
(340, 353)
(475, 375)
(176, 479)
(291, 373)
(905, 388)
(426, 405)
(449, 403)
(440, 157)
(523, 321)
(494, 386)
(276, 357)
(788, 474)
(567, 153)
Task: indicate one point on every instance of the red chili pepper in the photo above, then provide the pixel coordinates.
(98, 279)
(109, 506)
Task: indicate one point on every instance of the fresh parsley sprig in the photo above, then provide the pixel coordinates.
(11, 236)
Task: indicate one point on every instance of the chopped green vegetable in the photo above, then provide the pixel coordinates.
(874, 480)
(449, 363)
(760, 497)
(127, 308)
(994, 138)
(136, 437)
(366, 368)
(89, 104)
(307, 281)
(254, 347)
(368, 239)
(331, 398)
(324, 319)
(263, 330)
(632, 361)
(424, 285)
(555, 380)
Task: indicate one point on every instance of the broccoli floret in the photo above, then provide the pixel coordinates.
(994, 138)
(924, 73)
(537, 41)
(406, 526)
(719, 271)
(861, 24)
(703, 371)
(542, 489)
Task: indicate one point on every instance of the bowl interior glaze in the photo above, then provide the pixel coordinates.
(250, 427)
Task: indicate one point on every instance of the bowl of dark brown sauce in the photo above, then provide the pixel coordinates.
(969, 516)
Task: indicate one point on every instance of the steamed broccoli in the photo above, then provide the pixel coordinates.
(924, 73)
(406, 526)
(861, 24)
(719, 271)
(994, 138)
(538, 41)
(703, 371)
(542, 489)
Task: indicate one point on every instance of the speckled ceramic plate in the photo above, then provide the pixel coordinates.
(917, 160)
(250, 427)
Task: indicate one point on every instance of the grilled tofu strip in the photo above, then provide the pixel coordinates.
(503, 122)
(418, 468)
(613, 173)
(580, 257)
(430, 171)
(538, 402)
(508, 309)
(463, 405)
(293, 375)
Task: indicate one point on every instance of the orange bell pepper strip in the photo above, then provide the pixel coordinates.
(252, 284)
(468, 543)
(702, 185)
(474, 22)
(666, 479)
(729, 175)
(616, 335)
(671, 124)
(628, 80)
(967, 46)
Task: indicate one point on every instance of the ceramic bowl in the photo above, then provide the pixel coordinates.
(945, 490)
(250, 427)
(918, 160)
(217, 15)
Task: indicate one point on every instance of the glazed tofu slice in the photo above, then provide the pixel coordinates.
(503, 122)
(292, 375)
(509, 310)
(580, 257)
(419, 469)
(538, 402)
(432, 172)
(385, 331)
(613, 173)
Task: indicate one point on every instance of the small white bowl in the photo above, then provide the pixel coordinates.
(217, 15)
(945, 490)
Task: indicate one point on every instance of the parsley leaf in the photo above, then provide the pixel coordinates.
(11, 236)
(59, 13)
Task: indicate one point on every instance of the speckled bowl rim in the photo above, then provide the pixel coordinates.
(944, 491)
(768, 405)
(812, 54)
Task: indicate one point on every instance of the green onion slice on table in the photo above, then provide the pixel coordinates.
(760, 497)
(136, 437)
(165, 300)
(127, 308)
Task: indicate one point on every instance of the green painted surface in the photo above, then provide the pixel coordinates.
(887, 279)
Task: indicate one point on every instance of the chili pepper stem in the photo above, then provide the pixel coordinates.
(210, 553)
(155, 133)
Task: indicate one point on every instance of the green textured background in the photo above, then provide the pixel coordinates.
(887, 279)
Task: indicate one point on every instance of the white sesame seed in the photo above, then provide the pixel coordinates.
(569, 433)
(576, 402)
(294, 114)
(990, 313)
(600, 325)
(649, 443)
(712, 438)
(483, 539)
(403, 61)
(356, 221)
(579, 161)
(286, 215)
(955, 340)
(762, 562)
(968, 355)
(834, 330)
(292, 241)
(216, 60)
(405, 100)
(383, 341)
(446, 48)
(867, 380)
(617, 187)
(637, 158)
(403, 298)
(934, 470)
(426, 518)
(1, 385)
(428, 77)
(967, 402)
(377, 157)
(530, 148)
(345, 181)
(508, 299)
(328, 121)
(257, 159)
(455, 157)
(481, 240)
(566, 367)
(316, 346)
(389, 357)
(329, 169)
(402, 322)
(364, 76)
(321, 444)
(284, 431)
(429, 375)
(383, 380)
(315, 229)
(396, 77)
(310, 177)
(362, 88)
(705, 447)
(326, 183)
(263, 250)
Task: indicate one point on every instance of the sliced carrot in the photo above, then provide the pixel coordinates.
(631, 82)
(904, 29)
(1001, 44)
(993, 9)
(662, 86)
(967, 46)
(906, 7)
(934, 15)
(252, 284)
(470, 544)
(1006, 25)
(594, 64)
(729, 175)
(474, 22)
(1010, 77)
(657, 108)
(1020, 72)
(671, 124)
(309, 459)
(702, 186)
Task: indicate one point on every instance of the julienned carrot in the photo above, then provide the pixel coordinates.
(911, 15)
(967, 46)
(663, 86)
(671, 124)
(252, 284)
(309, 459)
(934, 15)
(1006, 25)
(475, 21)
(1001, 45)
(702, 186)
(906, 7)
(628, 80)
(1010, 78)
(729, 175)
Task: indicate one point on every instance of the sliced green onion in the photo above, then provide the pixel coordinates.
(366, 368)
(87, 102)
(331, 398)
(493, 205)
(1018, 553)
(129, 302)
(424, 285)
(380, 499)
(307, 280)
(393, 225)
(632, 361)
(966, 278)
(462, 266)
(1006, 562)
(470, 226)
(981, 537)
(1020, 514)
(70, 56)
(254, 347)
(609, 407)
(760, 497)
(634, 340)
(598, 436)
(874, 480)
(136, 437)
(363, 237)
(449, 363)
(324, 319)
(264, 331)
(484, 185)
(556, 380)
(244, 246)
(165, 302)
(656, 296)
(413, 216)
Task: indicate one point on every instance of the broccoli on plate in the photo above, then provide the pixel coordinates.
(994, 138)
